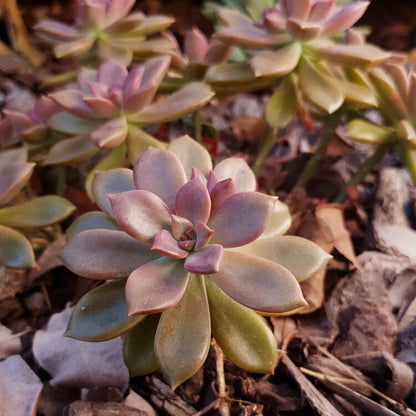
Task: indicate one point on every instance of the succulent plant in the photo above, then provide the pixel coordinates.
(111, 105)
(203, 253)
(15, 249)
(295, 40)
(105, 30)
(395, 88)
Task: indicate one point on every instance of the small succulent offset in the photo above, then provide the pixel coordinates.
(111, 105)
(105, 30)
(394, 86)
(203, 253)
(15, 249)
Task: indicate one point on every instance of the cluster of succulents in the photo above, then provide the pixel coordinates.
(188, 251)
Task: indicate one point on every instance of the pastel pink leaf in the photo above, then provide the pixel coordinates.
(105, 254)
(193, 201)
(101, 106)
(112, 74)
(205, 261)
(321, 10)
(160, 172)
(345, 18)
(222, 191)
(195, 45)
(110, 134)
(57, 29)
(72, 101)
(133, 81)
(303, 30)
(44, 109)
(165, 244)
(212, 180)
(97, 89)
(197, 174)
(85, 76)
(180, 225)
(14, 177)
(142, 214)
(20, 120)
(241, 218)
(258, 283)
(218, 52)
(118, 9)
(298, 9)
(273, 20)
(203, 235)
(156, 286)
(111, 182)
(238, 170)
(73, 47)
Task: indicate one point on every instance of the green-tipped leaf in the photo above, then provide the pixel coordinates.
(364, 131)
(15, 249)
(406, 134)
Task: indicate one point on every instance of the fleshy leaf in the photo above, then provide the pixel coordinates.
(156, 286)
(105, 254)
(277, 63)
(406, 134)
(258, 283)
(73, 48)
(15, 249)
(67, 123)
(183, 335)
(72, 101)
(108, 182)
(165, 244)
(280, 222)
(238, 170)
(110, 134)
(301, 257)
(241, 218)
(364, 131)
(241, 333)
(101, 314)
(138, 348)
(142, 214)
(14, 177)
(408, 158)
(18, 155)
(282, 106)
(205, 261)
(38, 212)
(192, 155)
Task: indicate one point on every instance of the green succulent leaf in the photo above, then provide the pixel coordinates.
(114, 159)
(67, 123)
(319, 89)
(15, 249)
(364, 131)
(406, 134)
(73, 150)
(101, 314)
(139, 141)
(95, 220)
(38, 212)
(408, 158)
(241, 333)
(282, 106)
(356, 94)
(302, 257)
(280, 222)
(138, 348)
(183, 335)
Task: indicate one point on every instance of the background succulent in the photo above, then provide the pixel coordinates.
(202, 250)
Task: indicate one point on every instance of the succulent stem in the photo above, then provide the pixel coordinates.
(365, 168)
(313, 162)
(197, 126)
(264, 149)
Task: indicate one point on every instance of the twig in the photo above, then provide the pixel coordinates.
(222, 402)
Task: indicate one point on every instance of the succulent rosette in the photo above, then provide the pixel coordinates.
(110, 107)
(394, 86)
(203, 253)
(15, 249)
(295, 40)
(105, 30)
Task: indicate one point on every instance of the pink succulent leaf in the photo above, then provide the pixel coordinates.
(133, 81)
(85, 76)
(117, 10)
(212, 181)
(203, 235)
(129, 23)
(156, 286)
(187, 244)
(160, 171)
(141, 214)
(110, 134)
(72, 101)
(191, 154)
(67, 123)
(222, 191)
(155, 70)
(258, 283)
(20, 121)
(116, 96)
(18, 155)
(7, 132)
(101, 106)
(44, 109)
(241, 218)
(13, 177)
(218, 52)
(298, 9)
(321, 10)
(193, 201)
(74, 48)
(206, 261)
(196, 173)
(111, 182)
(57, 29)
(105, 254)
(165, 244)
(179, 226)
(273, 20)
(354, 37)
(345, 18)
(238, 170)
(400, 77)
(195, 45)
(97, 89)
(303, 30)
(112, 74)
